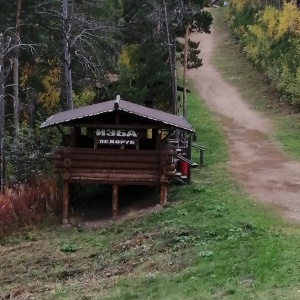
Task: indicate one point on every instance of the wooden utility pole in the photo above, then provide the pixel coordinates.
(185, 62)
(16, 67)
(171, 60)
(175, 77)
(186, 42)
(2, 117)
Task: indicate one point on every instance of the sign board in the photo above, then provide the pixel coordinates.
(116, 137)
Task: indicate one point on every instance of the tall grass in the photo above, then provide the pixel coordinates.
(26, 205)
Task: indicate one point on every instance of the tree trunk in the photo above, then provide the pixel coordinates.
(31, 96)
(2, 117)
(66, 80)
(186, 49)
(186, 40)
(16, 68)
(172, 67)
(175, 100)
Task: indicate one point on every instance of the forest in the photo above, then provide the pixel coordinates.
(57, 55)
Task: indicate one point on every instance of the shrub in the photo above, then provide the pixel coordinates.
(25, 155)
(30, 204)
(270, 37)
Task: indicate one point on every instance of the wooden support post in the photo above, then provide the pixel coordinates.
(72, 137)
(158, 138)
(117, 118)
(66, 196)
(163, 183)
(115, 196)
(163, 194)
(201, 156)
(189, 156)
(77, 133)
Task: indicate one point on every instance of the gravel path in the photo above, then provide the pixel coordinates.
(256, 162)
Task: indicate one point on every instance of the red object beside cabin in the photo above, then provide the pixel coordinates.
(183, 167)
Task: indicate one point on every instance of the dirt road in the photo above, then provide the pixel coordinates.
(255, 161)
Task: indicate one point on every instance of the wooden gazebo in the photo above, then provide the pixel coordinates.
(116, 142)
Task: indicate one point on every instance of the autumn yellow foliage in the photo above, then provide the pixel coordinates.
(84, 98)
(288, 20)
(270, 18)
(124, 58)
(125, 64)
(276, 23)
(238, 4)
(49, 98)
(271, 39)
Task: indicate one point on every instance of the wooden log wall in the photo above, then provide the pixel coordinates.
(144, 167)
(114, 166)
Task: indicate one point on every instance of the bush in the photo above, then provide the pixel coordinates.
(270, 37)
(30, 204)
(25, 155)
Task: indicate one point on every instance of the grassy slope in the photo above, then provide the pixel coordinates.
(211, 242)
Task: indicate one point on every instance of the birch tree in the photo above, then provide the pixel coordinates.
(2, 115)
(6, 48)
(170, 20)
(149, 22)
(88, 42)
(66, 75)
(16, 67)
(7, 55)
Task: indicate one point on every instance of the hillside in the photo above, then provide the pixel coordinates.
(212, 240)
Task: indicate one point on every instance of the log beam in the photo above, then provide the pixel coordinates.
(163, 194)
(66, 197)
(115, 200)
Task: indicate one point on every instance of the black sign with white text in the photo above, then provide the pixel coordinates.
(116, 136)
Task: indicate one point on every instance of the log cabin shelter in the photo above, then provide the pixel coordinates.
(118, 143)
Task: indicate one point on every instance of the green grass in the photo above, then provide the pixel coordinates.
(211, 242)
(255, 87)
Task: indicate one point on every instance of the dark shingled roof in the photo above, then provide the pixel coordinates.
(109, 106)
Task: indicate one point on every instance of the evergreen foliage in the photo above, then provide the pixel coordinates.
(25, 155)
(132, 41)
(149, 37)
